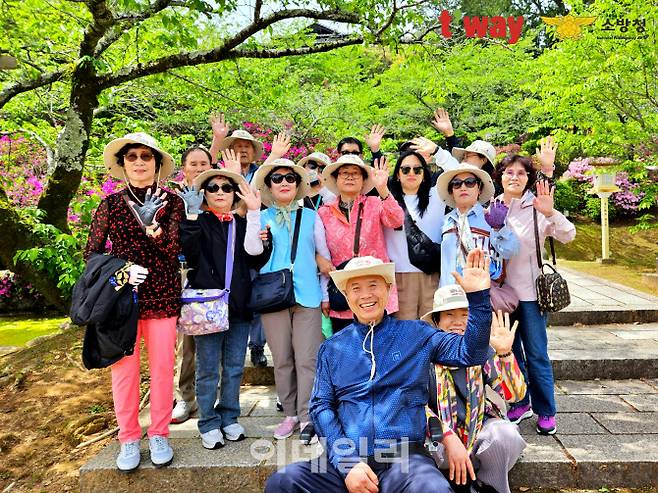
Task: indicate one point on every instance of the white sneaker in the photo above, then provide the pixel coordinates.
(212, 439)
(129, 457)
(234, 432)
(182, 411)
(161, 452)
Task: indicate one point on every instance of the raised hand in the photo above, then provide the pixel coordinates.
(374, 138)
(496, 214)
(546, 155)
(219, 126)
(193, 199)
(476, 273)
(151, 206)
(250, 197)
(280, 145)
(502, 336)
(543, 200)
(231, 161)
(442, 122)
(379, 174)
(424, 146)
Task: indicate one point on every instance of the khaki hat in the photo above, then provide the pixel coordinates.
(242, 135)
(112, 162)
(478, 146)
(363, 266)
(316, 156)
(206, 175)
(442, 183)
(258, 181)
(448, 297)
(330, 181)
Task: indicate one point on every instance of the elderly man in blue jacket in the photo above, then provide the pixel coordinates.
(371, 387)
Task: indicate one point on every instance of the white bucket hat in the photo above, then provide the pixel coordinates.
(363, 266)
(242, 135)
(258, 181)
(316, 156)
(206, 175)
(330, 181)
(112, 162)
(481, 147)
(448, 297)
(442, 183)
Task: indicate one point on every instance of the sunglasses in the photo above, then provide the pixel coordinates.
(314, 165)
(345, 153)
(469, 182)
(418, 170)
(289, 177)
(224, 187)
(131, 157)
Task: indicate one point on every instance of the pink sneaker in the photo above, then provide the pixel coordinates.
(546, 425)
(516, 414)
(286, 427)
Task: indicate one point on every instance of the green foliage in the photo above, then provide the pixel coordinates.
(567, 196)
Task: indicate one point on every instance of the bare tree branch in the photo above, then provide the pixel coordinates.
(307, 50)
(103, 20)
(257, 7)
(27, 85)
(50, 155)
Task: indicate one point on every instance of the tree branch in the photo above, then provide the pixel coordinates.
(103, 20)
(50, 155)
(27, 85)
(257, 7)
(307, 50)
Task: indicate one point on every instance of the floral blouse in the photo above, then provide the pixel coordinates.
(116, 230)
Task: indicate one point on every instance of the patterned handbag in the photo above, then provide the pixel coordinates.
(552, 290)
(205, 311)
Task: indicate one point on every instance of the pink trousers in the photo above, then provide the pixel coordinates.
(160, 339)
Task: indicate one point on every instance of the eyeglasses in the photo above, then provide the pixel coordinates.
(510, 173)
(418, 170)
(345, 153)
(347, 175)
(145, 156)
(313, 165)
(457, 183)
(224, 187)
(289, 177)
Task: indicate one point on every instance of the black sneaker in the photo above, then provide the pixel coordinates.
(307, 435)
(279, 406)
(258, 358)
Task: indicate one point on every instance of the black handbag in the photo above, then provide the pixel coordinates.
(337, 301)
(424, 254)
(552, 290)
(274, 291)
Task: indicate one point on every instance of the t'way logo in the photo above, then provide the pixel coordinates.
(496, 26)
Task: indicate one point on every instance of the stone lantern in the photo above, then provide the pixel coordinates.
(604, 186)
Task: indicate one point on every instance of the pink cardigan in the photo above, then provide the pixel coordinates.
(522, 269)
(377, 214)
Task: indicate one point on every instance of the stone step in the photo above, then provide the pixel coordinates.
(607, 437)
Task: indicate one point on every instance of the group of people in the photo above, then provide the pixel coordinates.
(407, 268)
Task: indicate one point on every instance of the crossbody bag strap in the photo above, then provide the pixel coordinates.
(550, 242)
(357, 232)
(295, 235)
(538, 250)
(230, 255)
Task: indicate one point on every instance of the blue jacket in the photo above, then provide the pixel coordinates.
(347, 404)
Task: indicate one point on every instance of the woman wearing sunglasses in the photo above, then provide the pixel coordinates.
(293, 334)
(468, 226)
(315, 163)
(205, 242)
(416, 279)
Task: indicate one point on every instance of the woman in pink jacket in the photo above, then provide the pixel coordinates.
(517, 176)
(351, 179)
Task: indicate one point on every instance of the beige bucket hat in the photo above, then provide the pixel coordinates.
(112, 162)
(363, 266)
(442, 183)
(258, 181)
(330, 181)
(446, 298)
(481, 147)
(316, 156)
(206, 175)
(242, 135)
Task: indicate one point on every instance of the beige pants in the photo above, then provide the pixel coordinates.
(294, 336)
(185, 369)
(415, 294)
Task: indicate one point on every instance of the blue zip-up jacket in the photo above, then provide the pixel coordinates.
(347, 404)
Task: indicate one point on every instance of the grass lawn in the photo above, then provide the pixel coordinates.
(17, 331)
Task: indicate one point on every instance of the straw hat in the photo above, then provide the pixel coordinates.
(363, 266)
(448, 297)
(481, 147)
(330, 181)
(320, 157)
(445, 178)
(206, 175)
(242, 135)
(112, 162)
(258, 181)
